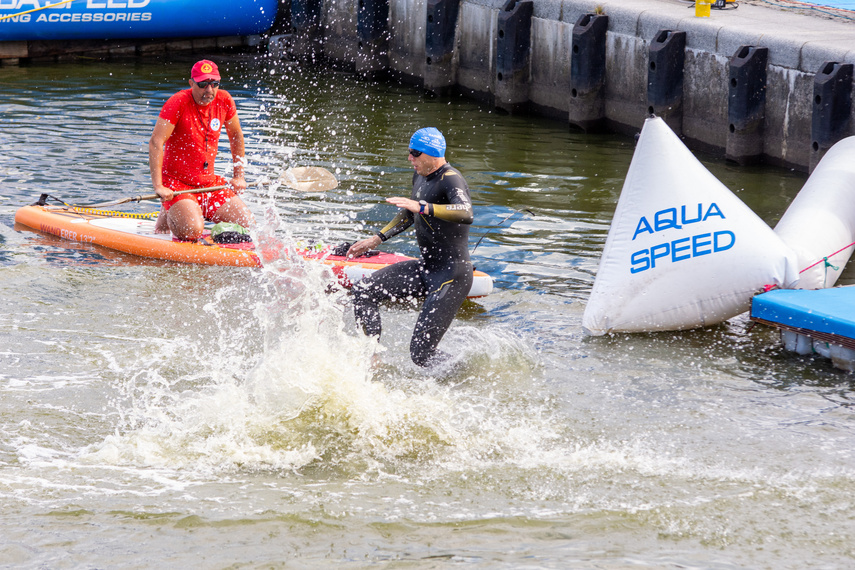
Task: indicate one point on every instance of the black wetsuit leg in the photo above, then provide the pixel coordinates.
(447, 289)
(397, 281)
(444, 292)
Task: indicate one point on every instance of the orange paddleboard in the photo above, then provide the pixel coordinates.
(137, 237)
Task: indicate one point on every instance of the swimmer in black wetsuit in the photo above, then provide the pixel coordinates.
(441, 209)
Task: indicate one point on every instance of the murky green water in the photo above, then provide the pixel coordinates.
(156, 415)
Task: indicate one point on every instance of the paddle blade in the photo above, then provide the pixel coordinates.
(309, 179)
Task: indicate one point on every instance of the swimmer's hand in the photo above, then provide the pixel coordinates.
(361, 247)
(405, 203)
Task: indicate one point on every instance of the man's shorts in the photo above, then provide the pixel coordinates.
(210, 202)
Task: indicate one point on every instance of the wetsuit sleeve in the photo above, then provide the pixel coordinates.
(458, 210)
(458, 213)
(401, 222)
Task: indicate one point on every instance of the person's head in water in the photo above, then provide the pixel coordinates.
(427, 150)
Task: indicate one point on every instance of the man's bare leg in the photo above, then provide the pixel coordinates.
(236, 212)
(161, 226)
(185, 220)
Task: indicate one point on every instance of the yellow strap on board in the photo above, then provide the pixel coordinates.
(116, 214)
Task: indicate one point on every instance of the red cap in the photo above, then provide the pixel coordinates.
(205, 70)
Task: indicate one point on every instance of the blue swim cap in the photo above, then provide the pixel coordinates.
(429, 141)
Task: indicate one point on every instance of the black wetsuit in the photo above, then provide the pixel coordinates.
(443, 275)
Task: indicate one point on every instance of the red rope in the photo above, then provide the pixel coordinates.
(825, 259)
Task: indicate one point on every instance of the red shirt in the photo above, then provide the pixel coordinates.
(196, 136)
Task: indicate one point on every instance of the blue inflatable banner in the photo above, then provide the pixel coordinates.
(22, 20)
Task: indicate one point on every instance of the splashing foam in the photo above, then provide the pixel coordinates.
(310, 396)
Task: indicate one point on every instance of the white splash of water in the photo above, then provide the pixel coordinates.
(292, 384)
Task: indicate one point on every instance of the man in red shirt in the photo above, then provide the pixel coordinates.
(181, 154)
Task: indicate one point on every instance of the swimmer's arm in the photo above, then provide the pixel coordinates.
(459, 210)
(457, 213)
(399, 223)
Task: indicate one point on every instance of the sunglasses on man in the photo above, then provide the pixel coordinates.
(204, 84)
(415, 153)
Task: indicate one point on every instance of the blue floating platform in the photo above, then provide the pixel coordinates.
(840, 4)
(824, 314)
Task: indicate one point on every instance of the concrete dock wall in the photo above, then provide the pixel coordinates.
(610, 63)
(752, 83)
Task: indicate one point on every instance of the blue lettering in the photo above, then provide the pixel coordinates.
(713, 211)
(687, 221)
(698, 242)
(682, 249)
(668, 219)
(664, 223)
(638, 259)
(675, 248)
(643, 226)
(718, 246)
(665, 248)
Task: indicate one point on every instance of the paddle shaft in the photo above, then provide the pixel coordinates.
(155, 196)
(306, 175)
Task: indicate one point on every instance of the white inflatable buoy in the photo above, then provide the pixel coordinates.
(819, 225)
(682, 251)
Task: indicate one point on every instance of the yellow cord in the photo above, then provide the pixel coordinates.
(35, 10)
(116, 214)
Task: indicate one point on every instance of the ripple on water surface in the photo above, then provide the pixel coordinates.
(142, 397)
